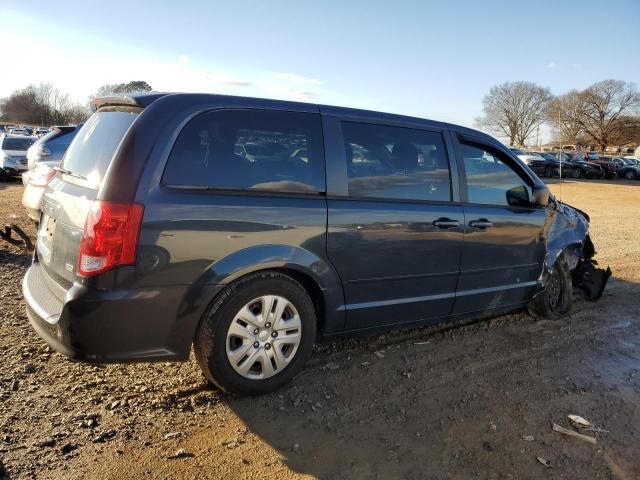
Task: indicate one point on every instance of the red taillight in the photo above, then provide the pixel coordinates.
(110, 237)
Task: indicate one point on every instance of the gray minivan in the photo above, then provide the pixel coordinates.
(158, 234)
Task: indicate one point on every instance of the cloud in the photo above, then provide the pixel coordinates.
(294, 78)
(238, 83)
(551, 65)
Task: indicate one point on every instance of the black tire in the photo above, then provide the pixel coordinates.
(630, 175)
(548, 172)
(576, 173)
(556, 300)
(211, 337)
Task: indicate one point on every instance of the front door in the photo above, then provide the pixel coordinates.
(504, 246)
(395, 236)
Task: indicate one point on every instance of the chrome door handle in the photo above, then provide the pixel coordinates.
(482, 223)
(446, 223)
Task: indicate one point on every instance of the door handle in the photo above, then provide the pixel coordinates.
(482, 223)
(446, 223)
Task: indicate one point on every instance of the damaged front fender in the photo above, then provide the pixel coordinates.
(566, 232)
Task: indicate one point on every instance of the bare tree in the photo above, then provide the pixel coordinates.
(603, 108)
(515, 110)
(564, 116)
(41, 105)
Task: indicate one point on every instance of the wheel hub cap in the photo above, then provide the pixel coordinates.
(263, 337)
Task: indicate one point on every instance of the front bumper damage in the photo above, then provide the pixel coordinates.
(567, 232)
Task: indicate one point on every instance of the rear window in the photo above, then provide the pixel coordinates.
(58, 137)
(20, 144)
(249, 149)
(90, 154)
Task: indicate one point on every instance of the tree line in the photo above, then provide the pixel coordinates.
(606, 113)
(44, 104)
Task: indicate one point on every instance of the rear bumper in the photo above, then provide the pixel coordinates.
(108, 326)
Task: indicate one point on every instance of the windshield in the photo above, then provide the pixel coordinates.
(92, 149)
(20, 144)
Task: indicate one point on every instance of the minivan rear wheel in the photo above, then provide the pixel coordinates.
(257, 335)
(556, 299)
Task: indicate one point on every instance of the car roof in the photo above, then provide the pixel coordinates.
(144, 99)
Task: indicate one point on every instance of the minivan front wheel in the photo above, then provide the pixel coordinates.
(556, 299)
(257, 335)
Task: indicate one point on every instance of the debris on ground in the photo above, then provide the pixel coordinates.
(571, 433)
(182, 453)
(544, 462)
(579, 422)
(528, 438)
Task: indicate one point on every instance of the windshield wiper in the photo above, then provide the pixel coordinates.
(64, 171)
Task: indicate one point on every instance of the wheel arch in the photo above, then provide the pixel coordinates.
(315, 274)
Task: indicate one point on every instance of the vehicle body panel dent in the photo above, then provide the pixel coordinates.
(567, 231)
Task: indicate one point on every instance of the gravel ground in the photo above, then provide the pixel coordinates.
(473, 401)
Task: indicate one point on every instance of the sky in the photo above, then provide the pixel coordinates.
(431, 59)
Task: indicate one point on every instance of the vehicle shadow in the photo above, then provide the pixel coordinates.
(456, 402)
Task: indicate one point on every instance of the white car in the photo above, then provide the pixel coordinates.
(529, 158)
(13, 154)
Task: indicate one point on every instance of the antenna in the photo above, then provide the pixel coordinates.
(560, 153)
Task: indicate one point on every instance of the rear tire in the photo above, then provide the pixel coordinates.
(556, 300)
(548, 172)
(247, 342)
(576, 173)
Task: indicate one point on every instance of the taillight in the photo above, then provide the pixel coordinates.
(110, 237)
(42, 178)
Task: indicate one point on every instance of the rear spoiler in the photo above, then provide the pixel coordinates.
(126, 100)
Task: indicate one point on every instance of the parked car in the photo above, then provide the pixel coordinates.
(13, 154)
(20, 131)
(626, 168)
(548, 165)
(43, 157)
(35, 181)
(609, 169)
(156, 236)
(38, 132)
(582, 168)
(49, 149)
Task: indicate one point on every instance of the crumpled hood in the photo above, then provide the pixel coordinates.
(567, 230)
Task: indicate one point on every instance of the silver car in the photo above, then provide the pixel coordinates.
(13, 154)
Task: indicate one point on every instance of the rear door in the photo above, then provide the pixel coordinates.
(504, 246)
(68, 197)
(394, 231)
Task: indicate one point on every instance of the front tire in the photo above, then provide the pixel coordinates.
(556, 300)
(630, 175)
(257, 335)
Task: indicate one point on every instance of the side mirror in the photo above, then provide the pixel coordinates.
(518, 197)
(540, 196)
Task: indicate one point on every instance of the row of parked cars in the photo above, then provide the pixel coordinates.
(579, 164)
(26, 130)
(35, 158)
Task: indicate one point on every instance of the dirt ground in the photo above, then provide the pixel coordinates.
(474, 401)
